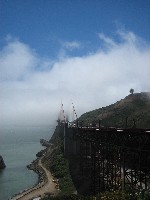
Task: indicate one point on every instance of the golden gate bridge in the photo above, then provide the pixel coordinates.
(109, 158)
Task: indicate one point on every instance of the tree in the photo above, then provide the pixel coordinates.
(131, 91)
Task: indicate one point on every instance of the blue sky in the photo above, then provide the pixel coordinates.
(45, 24)
(88, 51)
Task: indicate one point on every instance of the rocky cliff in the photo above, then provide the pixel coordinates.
(2, 164)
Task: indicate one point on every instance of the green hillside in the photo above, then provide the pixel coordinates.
(122, 113)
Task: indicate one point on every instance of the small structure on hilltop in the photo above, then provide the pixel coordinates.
(131, 91)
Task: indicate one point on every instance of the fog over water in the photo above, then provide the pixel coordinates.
(32, 87)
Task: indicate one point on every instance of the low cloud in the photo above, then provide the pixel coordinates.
(71, 45)
(108, 41)
(32, 88)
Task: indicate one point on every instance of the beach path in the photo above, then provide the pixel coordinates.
(48, 187)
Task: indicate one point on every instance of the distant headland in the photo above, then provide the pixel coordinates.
(2, 163)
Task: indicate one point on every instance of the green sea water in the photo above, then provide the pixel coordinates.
(18, 147)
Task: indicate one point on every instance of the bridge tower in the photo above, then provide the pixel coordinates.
(71, 145)
(61, 117)
(73, 117)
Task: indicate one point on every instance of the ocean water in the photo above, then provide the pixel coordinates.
(18, 147)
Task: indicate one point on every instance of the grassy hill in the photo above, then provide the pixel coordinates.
(122, 113)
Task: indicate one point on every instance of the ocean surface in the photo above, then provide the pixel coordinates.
(18, 147)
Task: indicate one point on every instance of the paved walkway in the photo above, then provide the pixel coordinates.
(46, 187)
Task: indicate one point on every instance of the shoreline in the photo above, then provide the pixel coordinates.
(38, 170)
(45, 184)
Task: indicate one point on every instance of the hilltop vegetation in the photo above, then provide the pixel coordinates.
(122, 113)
